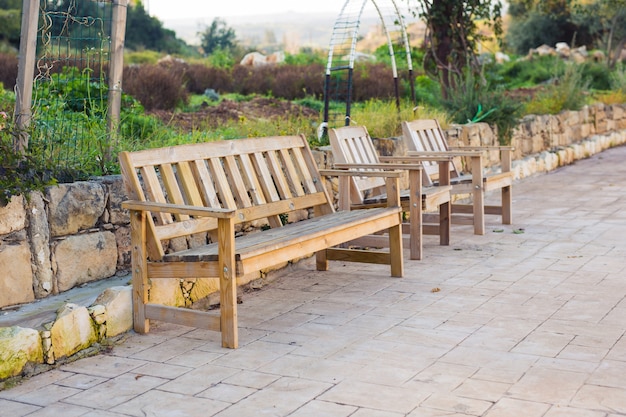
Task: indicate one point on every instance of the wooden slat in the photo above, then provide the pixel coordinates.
(221, 183)
(184, 317)
(290, 172)
(154, 192)
(236, 182)
(203, 178)
(174, 193)
(282, 185)
(188, 183)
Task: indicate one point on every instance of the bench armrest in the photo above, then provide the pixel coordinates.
(219, 213)
(384, 166)
(430, 156)
(482, 148)
(355, 173)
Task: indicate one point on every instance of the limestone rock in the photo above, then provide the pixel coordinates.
(84, 258)
(18, 346)
(39, 235)
(12, 216)
(16, 275)
(116, 196)
(119, 309)
(74, 207)
(72, 331)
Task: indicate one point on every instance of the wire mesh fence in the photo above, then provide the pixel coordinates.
(70, 92)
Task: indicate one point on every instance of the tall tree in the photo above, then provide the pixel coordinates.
(217, 36)
(453, 35)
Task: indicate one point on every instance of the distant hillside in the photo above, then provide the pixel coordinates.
(293, 30)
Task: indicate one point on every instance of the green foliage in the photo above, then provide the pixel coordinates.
(427, 91)
(306, 57)
(217, 36)
(618, 78)
(10, 23)
(569, 93)
(141, 57)
(598, 75)
(472, 101)
(221, 58)
(19, 173)
(525, 72)
(455, 35)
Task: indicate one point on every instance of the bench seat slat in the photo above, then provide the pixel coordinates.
(295, 233)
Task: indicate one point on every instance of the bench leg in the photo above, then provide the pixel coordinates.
(139, 271)
(507, 205)
(228, 283)
(445, 220)
(395, 249)
(478, 196)
(415, 215)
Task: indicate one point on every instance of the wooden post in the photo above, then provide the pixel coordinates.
(25, 73)
(116, 69)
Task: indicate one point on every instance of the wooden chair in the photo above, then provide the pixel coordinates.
(425, 139)
(353, 149)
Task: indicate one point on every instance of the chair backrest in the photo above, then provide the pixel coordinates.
(260, 178)
(353, 145)
(426, 135)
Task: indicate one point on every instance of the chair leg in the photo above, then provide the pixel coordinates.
(507, 205)
(478, 195)
(415, 216)
(445, 220)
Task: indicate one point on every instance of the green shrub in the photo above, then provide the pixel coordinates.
(472, 101)
(142, 57)
(568, 93)
(598, 74)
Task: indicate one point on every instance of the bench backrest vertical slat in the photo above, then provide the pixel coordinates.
(261, 178)
(174, 193)
(291, 173)
(354, 146)
(154, 192)
(426, 135)
(220, 182)
(188, 184)
(238, 186)
(274, 166)
(205, 183)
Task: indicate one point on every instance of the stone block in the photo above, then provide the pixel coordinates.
(74, 207)
(122, 239)
(116, 195)
(84, 258)
(18, 347)
(13, 215)
(39, 235)
(72, 331)
(16, 283)
(118, 304)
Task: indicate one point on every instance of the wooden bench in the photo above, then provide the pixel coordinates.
(182, 192)
(353, 148)
(426, 140)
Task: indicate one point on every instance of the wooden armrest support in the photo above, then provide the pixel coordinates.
(389, 166)
(482, 148)
(355, 173)
(415, 159)
(219, 213)
(429, 155)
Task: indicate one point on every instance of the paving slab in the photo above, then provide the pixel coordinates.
(526, 320)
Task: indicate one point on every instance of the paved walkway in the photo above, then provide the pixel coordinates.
(525, 321)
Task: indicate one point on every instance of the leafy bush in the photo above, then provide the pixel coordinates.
(524, 72)
(472, 102)
(427, 91)
(568, 93)
(598, 74)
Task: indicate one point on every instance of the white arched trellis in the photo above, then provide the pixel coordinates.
(342, 53)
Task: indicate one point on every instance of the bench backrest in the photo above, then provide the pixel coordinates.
(353, 145)
(261, 178)
(426, 135)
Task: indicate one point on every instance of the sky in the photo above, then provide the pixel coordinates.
(182, 9)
